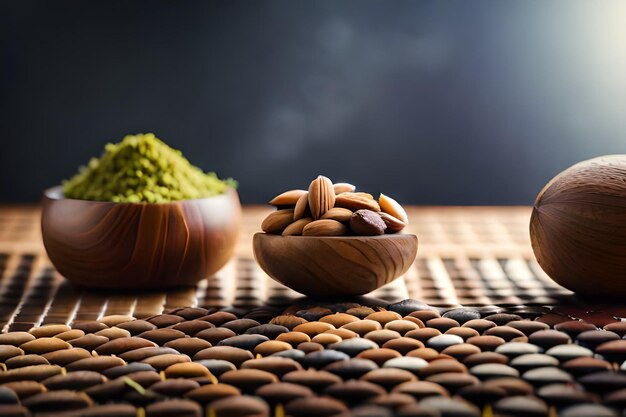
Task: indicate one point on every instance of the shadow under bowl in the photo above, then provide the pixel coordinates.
(333, 266)
(139, 245)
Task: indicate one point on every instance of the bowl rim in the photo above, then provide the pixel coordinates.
(55, 193)
(376, 237)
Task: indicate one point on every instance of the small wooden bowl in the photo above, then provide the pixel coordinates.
(128, 246)
(330, 266)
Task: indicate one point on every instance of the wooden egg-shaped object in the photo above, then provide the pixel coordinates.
(139, 246)
(331, 266)
(578, 227)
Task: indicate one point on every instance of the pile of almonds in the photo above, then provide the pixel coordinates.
(328, 209)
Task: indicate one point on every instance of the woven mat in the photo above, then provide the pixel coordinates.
(466, 256)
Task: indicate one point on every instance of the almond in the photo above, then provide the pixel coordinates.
(288, 198)
(357, 201)
(391, 206)
(338, 213)
(393, 225)
(321, 196)
(343, 187)
(325, 227)
(301, 206)
(276, 221)
(295, 228)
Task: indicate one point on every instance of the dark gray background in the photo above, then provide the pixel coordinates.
(434, 102)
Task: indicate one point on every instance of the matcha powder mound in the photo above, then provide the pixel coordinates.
(142, 169)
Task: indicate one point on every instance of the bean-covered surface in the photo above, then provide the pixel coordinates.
(473, 329)
(322, 359)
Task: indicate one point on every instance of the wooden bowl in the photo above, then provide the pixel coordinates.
(335, 265)
(129, 246)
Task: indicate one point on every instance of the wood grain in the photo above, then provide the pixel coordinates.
(578, 227)
(335, 265)
(125, 245)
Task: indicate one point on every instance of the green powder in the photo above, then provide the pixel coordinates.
(142, 169)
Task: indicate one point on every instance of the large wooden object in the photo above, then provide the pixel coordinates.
(578, 227)
(125, 245)
(335, 265)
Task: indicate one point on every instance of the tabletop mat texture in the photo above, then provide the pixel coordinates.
(466, 256)
(475, 328)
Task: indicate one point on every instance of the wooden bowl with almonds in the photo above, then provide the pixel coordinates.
(330, 266)
(331, 241)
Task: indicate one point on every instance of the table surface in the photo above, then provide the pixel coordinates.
(466, 256)
(198, 344)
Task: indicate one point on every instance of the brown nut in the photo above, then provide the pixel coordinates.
(391, 206)
(343, 187)
(43, 345)
(321, 196)
(367, 223)
(325, 227)
(295, 228)
(338, 213)
(393, 224)
(357, 201)
(277, 221)
(287, 320)
(288, 198)
(301, 206)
